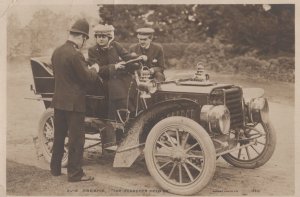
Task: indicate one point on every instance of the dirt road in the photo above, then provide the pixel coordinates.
(274, 178)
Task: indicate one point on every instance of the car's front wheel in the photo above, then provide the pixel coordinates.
(259, 141)
(180, 155)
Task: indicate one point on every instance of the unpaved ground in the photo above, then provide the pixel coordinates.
(30, 180)
(274, 178)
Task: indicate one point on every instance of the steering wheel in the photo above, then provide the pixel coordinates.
(132, 64)
(136, 60)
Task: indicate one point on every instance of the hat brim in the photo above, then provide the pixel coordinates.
(108, 34)
(144, 36)
(102, 33)
(81, 32)
(145, 31)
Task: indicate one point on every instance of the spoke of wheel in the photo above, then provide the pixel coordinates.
(196, 167)
(52, 122)
(255, 129)
(239, 155)
(180, 173)
(162, 144)
(195, 156)
(45, 133)
(169, 138)
(48, 126)
(188, 172)
(254, 134)
(165, 165)
(50, 149)
(248, 153)
(261, 143)
(177, 137)
(161, 155)
(172, 170)
(254, 149)
(190, 148)
(185, 140)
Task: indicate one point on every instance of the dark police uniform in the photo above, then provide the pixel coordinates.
(155, 58)
(119, 83)
(71, 77)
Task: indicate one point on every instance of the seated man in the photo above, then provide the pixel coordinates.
(153, 51)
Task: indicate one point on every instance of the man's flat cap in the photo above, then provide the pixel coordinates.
(145, 31)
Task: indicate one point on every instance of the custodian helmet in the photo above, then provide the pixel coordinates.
(81, 26)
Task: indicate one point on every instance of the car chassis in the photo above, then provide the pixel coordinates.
(180, 126)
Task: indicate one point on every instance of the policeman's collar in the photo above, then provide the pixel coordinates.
(73, 44)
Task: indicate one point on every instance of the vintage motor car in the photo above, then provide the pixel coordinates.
(180, 126)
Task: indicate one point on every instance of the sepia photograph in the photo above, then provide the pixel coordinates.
(147, 99)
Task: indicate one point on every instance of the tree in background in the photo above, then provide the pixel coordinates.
(246, 26)
(15, 37)
(171, 22)
(46, 30)
(264, 29)
(269, 31)
(228, 37)
(39, 37)
(285, 14)
(41, 28)
(125, 19)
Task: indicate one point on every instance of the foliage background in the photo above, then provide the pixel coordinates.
(253, 40)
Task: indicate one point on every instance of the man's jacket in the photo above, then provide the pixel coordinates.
(117, 82)
(155, 55)
(71, 76)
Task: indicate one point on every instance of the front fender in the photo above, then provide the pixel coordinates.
(251, 93)
(133, 144)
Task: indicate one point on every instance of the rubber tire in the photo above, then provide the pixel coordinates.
(45, 116)
(206, 143)
(261, 159)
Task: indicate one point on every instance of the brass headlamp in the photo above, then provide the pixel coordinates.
(217, 118)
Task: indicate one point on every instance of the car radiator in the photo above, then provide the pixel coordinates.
(234, 102)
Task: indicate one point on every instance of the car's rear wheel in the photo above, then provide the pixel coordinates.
(46, 136)
(180, 155)
(260, 150)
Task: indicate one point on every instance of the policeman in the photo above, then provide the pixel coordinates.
(153, 51)
(110, 56)
(71, 74)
